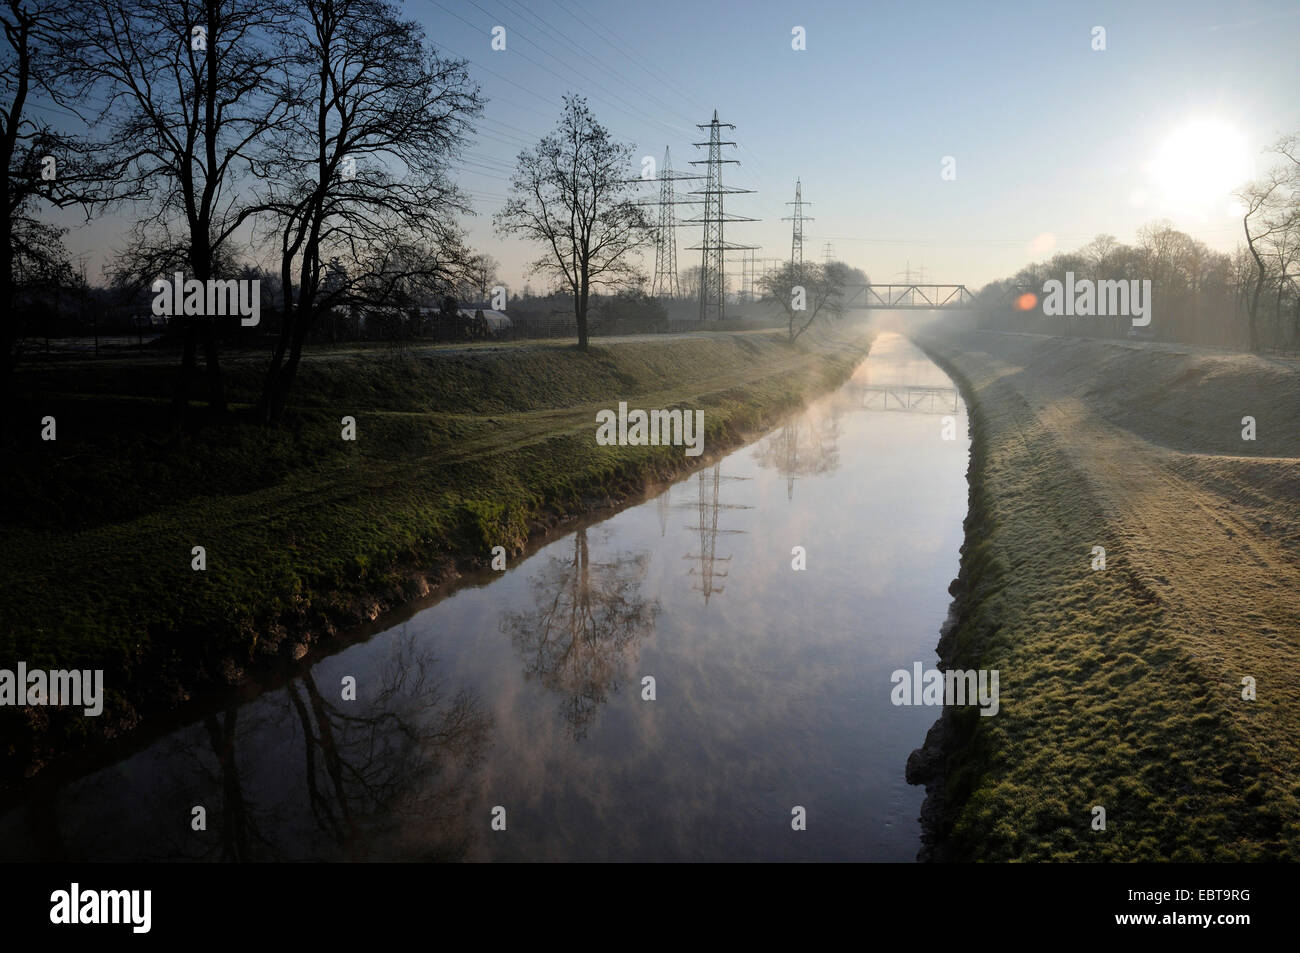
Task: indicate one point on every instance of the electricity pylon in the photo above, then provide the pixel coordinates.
(665, 283)
(713, 281)
(796, 243)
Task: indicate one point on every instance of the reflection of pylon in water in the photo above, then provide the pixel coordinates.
(707, 508)
(664, 501)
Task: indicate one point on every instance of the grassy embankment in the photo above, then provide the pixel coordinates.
(457, 451)
(1122, 688)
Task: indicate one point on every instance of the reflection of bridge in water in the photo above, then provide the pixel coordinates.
(908, 398)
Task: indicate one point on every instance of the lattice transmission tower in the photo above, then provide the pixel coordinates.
(665, 283)
(713, 279)
(796, 243)
(748, 275)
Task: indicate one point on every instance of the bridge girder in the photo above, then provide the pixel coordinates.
(911, 297)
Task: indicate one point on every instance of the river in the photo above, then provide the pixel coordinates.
(520, 700)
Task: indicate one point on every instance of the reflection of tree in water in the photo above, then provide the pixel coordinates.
(582, 637)
(389, 774)
(806, 446)
(237, 826)
(375, 772)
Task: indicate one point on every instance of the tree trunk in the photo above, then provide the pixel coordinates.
(9, 359)
(1253, 303)
(216, 391)
(1295, 328)
(201, 262)
(279, 386)
(580, 312)
(181, 392)
(1277, 311)
(267, 402)
(285, 382)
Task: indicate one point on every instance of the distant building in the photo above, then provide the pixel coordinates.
(496, 321)
(457, 324)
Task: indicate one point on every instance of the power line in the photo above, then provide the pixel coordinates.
(522, 134)
(491, 72)
(933, 241)
(589, 56)
(543, 66)
(591, 24)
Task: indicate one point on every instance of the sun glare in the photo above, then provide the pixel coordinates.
(1199, 165)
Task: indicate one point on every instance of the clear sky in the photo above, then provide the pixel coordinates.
(1053, 141)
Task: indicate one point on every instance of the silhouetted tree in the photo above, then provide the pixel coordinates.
(366, 96)
(1272, 210)
(187, 89)
(573, 194)
(806, 292)
(40, 165)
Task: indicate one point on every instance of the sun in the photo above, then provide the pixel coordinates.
(1199, 164)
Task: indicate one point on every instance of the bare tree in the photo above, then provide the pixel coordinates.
(40, 165)
(1101, 252)
(1106, 255)
(481, 275)
(1200, 292)
(1272, 209)
(573, 194)
(367, 96)
(805, 292)
(1284, 252)
(1286, 243)
(187, 88)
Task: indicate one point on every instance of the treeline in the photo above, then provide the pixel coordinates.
(313, 137)
(1248, 299)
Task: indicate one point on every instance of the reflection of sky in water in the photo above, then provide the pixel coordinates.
(773, 692)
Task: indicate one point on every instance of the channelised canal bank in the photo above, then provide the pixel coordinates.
(706, 675)
(307, 535)
(1150, 705)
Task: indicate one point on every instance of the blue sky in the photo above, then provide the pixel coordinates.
(1052, 140)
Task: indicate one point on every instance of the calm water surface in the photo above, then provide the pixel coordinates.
(771, 685)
